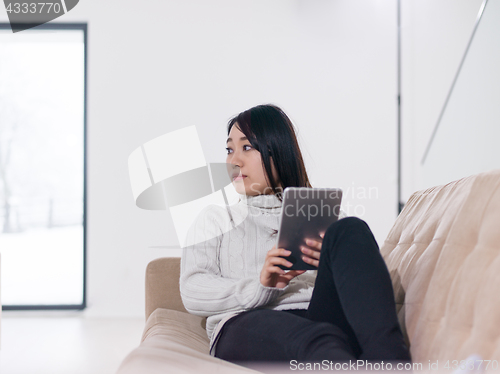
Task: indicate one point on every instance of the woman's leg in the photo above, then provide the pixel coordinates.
(272, 335)
(353, 290)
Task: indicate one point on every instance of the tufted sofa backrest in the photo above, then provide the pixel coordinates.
(443, 254)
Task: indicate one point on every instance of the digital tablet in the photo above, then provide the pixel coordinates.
(305, 213)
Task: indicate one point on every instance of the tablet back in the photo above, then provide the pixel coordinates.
(306, 212)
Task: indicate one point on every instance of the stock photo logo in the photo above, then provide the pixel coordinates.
(163, 177)
(24, 14)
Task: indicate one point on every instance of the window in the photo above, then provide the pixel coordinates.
(42, 166)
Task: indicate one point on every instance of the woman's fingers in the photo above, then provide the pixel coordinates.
(279, 261)
(272, 275)
(287, 274)
(275, 270)
(290, 274)
(314, 243)
(312, 251)
(310, 261)
(314, 254)
(294, 273)
(273, 259)
(275, 252)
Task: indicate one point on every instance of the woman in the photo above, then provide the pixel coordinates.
(256, 311)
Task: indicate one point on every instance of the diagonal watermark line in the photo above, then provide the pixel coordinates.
(63, 3)
(147, 164)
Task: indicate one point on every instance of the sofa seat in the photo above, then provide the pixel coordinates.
(177, 341)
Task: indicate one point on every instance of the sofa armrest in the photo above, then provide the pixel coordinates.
(162, 285)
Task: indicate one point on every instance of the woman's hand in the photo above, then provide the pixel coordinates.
(312, 250)
(273, 276)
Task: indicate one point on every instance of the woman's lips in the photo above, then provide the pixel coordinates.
(239, 177)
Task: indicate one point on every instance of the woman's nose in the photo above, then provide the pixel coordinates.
(235, 159)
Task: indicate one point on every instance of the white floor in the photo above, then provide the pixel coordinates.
(63, 342)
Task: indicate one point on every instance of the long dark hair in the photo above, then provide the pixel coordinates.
(270, 131)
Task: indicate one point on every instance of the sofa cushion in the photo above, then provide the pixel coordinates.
(186, 329)
(175, 342)
(443, 254)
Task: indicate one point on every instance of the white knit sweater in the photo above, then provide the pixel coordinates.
(220, 276)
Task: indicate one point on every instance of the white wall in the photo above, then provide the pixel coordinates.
(434, 36)
(466, 142)
(155, 67)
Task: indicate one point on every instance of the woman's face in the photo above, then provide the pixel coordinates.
(250, 178)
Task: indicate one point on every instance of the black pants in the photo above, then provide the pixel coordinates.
(351, 315)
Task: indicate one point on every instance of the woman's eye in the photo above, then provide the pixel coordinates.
(246, 145)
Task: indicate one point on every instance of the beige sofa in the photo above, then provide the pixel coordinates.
(443, 254)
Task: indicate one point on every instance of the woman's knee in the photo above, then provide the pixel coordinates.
(348, 233)
(348, 222)
(348, 225)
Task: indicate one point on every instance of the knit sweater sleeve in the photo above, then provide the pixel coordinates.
(204, 291)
